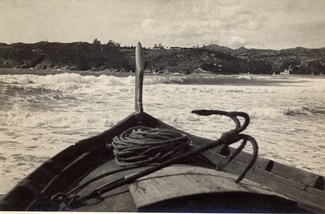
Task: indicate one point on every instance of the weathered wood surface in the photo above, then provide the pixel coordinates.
(117, 200)
(182, 180)
(139, 68)
(307, 178)
(299, 189)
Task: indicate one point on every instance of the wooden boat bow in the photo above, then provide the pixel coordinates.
(210, 177)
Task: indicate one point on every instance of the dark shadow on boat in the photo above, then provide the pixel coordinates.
(236, 202)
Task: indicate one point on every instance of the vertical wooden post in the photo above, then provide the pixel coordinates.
(139, 69)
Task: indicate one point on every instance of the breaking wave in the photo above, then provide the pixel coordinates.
(67, 82)
(296, 111)
(42, 114)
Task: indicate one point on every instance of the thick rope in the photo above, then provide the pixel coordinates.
(144, 145)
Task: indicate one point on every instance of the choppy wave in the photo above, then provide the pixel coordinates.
(49, 119)
(41, 115)
(64, 82)
(68, 82)
(296, 111)
(70, 108)
(304, 111)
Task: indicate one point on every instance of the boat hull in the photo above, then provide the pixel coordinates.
(215, 190)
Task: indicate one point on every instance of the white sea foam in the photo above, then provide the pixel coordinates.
(41, 115)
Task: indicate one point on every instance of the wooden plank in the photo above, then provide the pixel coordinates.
(319, 193)
(145, 192)
(225, 182)
(298, 195)
(293, 185)
(291, 188)
(215, 157)
(283, 170)
(287, 187)
(300, 175)
(116, 200)
(238, 167)
(174, 185)
(181, 180)
(297, 191)
(170, 182)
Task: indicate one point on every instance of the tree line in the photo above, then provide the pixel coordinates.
(98, 56)
(83, 55)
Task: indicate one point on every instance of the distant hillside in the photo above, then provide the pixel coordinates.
(184, 60)
(45, 55)
(211, 58)
(298, 60)
(219, 48)
(307, 54)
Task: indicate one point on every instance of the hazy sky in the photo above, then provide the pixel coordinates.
(273, 24)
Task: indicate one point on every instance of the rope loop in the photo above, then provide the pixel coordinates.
(142, 145)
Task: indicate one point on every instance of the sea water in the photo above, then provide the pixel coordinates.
(40, 115)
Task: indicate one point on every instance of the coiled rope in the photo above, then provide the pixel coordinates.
(144, 145)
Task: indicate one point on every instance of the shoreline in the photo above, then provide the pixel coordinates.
(177, 78)
(42, 72)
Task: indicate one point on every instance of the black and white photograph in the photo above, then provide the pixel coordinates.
(190, 106)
